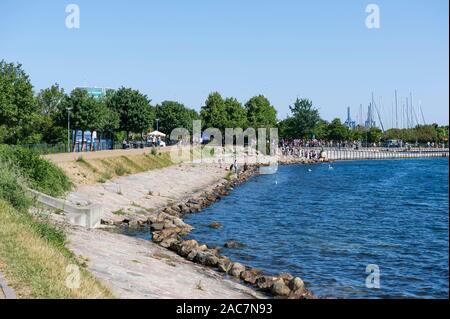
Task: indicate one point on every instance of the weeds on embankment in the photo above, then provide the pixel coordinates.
(33, 252)
(83, 171)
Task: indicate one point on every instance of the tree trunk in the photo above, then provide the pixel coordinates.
(91, 148)
(82, 141)
(73, 139)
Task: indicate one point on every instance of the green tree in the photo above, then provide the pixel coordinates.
(260, 113)
(374, 135)
(50, 102)
(320, 130)
(336, 131)
(236, 114)
(80, 104)
(18, 114)
(304, 118)
(213, 113)
(134, 109)
(173, 115)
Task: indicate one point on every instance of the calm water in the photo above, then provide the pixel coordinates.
(327, 225)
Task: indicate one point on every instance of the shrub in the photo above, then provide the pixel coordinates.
(41, 174)
(13, 187)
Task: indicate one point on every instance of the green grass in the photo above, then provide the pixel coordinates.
(119, 212)
(88, 165)
(120, 170)
(40, 174)
(33, 252)
(105, 176)
(34, 259)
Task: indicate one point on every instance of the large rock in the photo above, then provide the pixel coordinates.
(236, 270)
(157, 227)
(224, 264)
(279, 288)
(187, 246)
(265, 282)
(201, 257)
(296, 284)
(231, 244)
(249, 277)
(215, 225)
(211, 260)
(178, 222)
(166, 243)
(192, 255)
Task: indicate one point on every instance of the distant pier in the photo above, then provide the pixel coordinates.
(338, 154)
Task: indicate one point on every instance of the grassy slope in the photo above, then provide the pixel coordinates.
(34, 259)
(100, 170)
(33, 255)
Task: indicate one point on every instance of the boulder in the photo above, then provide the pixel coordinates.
(211, 260)
(265, 283)
(169, 224)
(201, 257)
(224, 264)
(279, 288)
(215, 225)
(286, 277)
(185, 209)
(236, 270)
(296, 284)
(248, 276)
(232, 244)
(169, 232)
(170, 211)
(178, 222)
(192, 255)
(157, 227)
(187, 246)
(166, 243)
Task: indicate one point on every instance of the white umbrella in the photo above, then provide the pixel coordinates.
(157, 133)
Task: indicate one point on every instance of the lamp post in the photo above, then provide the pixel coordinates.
(157, 124)
(68, 128)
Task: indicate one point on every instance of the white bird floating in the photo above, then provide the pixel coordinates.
(310, 170)
(330, 167)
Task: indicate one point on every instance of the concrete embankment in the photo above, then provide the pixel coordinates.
(138, 268)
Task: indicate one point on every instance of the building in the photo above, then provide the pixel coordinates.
(95, 92)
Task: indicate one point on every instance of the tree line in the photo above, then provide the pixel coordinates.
(126, 113)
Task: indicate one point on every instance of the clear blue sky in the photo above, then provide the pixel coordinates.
(183, 50)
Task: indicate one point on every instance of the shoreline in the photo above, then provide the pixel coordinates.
(168, 231)
(168, 228)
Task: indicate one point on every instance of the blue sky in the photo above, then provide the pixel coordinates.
(183, 50)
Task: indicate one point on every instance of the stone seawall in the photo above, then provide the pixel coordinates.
(168, 229)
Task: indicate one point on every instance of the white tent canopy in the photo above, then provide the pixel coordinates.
(157, 133)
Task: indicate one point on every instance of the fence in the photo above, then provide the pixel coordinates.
(353, 154)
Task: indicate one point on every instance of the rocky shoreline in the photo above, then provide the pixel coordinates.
(168, 229)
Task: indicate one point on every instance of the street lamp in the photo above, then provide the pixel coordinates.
(157, 124)
(68, 128)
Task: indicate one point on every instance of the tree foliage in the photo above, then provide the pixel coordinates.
(173, 115)
(260, 113)
(135, 112)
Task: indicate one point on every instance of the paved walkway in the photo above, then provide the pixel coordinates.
(5, 291)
